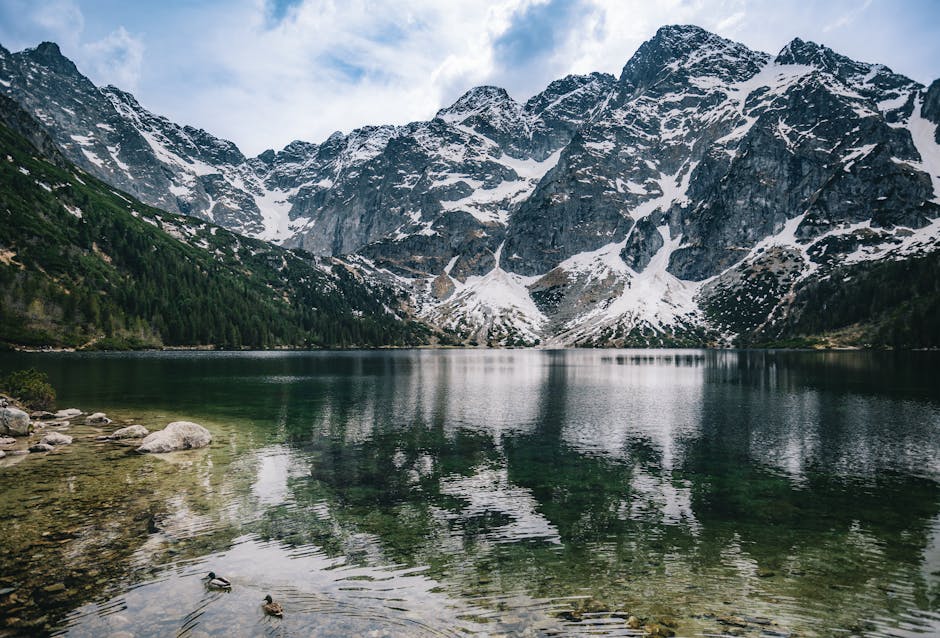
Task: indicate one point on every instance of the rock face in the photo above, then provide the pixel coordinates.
(130, 432)
(602, 211)
(56, 438)
(179, 435)
(14, 422)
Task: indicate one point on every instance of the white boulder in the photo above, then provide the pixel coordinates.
(179, 435)
(69, 413)
(98, 418)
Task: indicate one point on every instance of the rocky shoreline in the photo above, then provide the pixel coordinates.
(24, 432)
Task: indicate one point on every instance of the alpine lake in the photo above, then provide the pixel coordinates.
(484, 493)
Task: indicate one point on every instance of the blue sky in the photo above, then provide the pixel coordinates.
(265, 72)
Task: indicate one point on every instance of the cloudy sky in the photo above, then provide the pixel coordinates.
(265, 72)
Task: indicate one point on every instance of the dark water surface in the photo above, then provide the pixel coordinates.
(446, 493)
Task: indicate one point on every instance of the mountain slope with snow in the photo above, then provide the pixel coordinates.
(693, 199)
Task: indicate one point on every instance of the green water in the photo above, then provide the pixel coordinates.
(540, 493)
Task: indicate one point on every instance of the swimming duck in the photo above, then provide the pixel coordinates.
(217, 582)
(272, 608)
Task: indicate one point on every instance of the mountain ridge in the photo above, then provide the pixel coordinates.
(604, 210)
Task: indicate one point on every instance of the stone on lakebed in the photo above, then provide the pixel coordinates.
(56, 438)
(179, 435)
(130, 432)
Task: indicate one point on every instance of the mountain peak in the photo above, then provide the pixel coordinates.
(49, 55)
(846, 69)
(799, 51)
(478, 100)
(682, 33)
(694, 49)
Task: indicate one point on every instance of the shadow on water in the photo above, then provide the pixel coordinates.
(506, 492)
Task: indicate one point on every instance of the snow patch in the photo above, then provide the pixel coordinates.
(94, 159)
(653, 296)
(922, 133)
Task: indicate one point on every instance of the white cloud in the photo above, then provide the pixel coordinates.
(61, 18)
(115, 59)
(331, 65)
(848, 17)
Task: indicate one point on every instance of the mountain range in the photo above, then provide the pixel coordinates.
(710, 194)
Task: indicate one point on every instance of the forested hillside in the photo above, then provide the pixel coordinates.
(83, 265)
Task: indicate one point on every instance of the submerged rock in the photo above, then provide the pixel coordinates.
(14, 422)
(69, 413)
(179, 435)
(7, 441)
(41, 415)
(130, 432)
(98, 418)
(2, 454)
(659, 630)
(56, 438)
(41, 447)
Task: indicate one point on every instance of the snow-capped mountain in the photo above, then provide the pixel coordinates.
(693, 198)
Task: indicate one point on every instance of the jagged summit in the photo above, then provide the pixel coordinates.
(50, 56)
(567, 87)
(689, 50)
(478, 101)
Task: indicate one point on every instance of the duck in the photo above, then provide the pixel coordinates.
(272, 608)
(217, 582)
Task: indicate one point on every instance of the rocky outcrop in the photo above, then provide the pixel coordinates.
(14, 422)
(179, 435)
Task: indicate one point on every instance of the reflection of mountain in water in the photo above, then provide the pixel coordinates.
(800, 488)
(670, 475)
